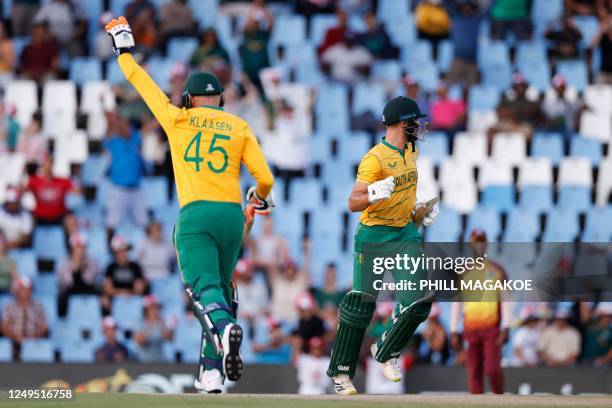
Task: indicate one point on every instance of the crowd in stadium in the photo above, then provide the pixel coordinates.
(87, 267)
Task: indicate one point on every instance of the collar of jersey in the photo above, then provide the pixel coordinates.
(390, 146)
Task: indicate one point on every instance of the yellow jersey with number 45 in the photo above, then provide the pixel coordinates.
(207, 144)
(382, 161)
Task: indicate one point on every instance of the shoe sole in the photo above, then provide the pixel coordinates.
(232, 363)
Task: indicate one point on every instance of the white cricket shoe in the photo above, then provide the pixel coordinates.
(391, 368)
(231, 340)
(210, 382)
(343, 385)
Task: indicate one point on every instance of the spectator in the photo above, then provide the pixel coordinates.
(335, 35)
(559, 344)
(517, 111)
(347, 61)
(525, 342)
(329, 295)
(7, 57)
(510, 16)
(32, 143)
(467, 17)
(253, 292)
(433, 22)
(582, 7)
(312, 367)
(597, 349)
(8, 268)
(125, 171)
(142, 17)
(275, 347)
(15, 222)
(67, 23)
(561, 107)
(176, 20)
(156, 254)
(565, 38)
(78, 274)
(123, 276)
(22, 16)
(375, 39)
(308, 8)
(23, 318)
(102, 48)
(309, 324)
(436, 338)
(447, 114)
(269, 251)
(9, 128)
(40, 58)
(603, 41)
(50, 194)
(254, 48)
(136, 8)
(357, 8)
(286, 285)
(112, 351)
(210, 52)
(152, 333)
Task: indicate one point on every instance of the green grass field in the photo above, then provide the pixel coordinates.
(295, 401)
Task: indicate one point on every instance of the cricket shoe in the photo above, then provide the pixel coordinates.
(231, 340)
(210, 382)
(343, 385)
(391, 368)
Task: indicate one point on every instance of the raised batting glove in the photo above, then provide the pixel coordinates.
(431, 216)
(262, 206)
(380, 190)
(121, 33)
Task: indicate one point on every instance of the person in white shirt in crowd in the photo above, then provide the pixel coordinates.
(156, 255)
(252, 293)
(311, 369)
(347, 61)
(15, 222)
(269, 251)
(525, 342)
(559, 343)
(562, 106)
(287, 283)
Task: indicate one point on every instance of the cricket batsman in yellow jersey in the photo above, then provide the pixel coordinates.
(208, 146)
(385, 194)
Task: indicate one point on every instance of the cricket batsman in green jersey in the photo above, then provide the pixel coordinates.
(385, 194)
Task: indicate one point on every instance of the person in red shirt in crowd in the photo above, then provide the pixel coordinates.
(40, 58)
(50, 194)
(447, 114)
(335, 35)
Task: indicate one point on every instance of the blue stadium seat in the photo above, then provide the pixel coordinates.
(445, 55)
(575, 72)
(493, 53)
(543, 12)
(530, 52)
(49, 304)
(482, 97)
(77, 352)
(352, 147)
(548, 145)
(331, 108)
(92, 213)
(19, 43)
(46, 285)
(447, 227)
(5, 299)
(598, 226)
(416, 55)
(561, 226)
(426, 75)
(117, 7)
(588, 27)
(156, 191)
(577, 198)
(37, 351)
(402, 30)
(537, 74)
(522, 225)
(590, 148)
(368, 97)
(85, 69)
(26, 262)
(167, 290)
(499, 197)
(160, 70)
(94, 169)
(205, 11)
(319, 25)
(114, 75)
(49, 243)
(387, 70)
(127, 311)
(6, 350)
(187, 339)
(391, 9)
(484, 218)
(536, 198)
(435, 147)
(85, 311)
(497, 75)
(289, 30)
(182, 48)
(305, 194)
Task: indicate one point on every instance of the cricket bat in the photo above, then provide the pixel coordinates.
(422, 210)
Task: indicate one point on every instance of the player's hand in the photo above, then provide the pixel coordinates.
(121, 33)
(430, 217)
(261, 206)
(380, 190)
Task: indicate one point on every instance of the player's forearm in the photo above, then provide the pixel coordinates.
(358, 201)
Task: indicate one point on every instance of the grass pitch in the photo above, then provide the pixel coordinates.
(297, 401)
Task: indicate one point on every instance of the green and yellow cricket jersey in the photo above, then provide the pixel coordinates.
(207, 144)
(382, 161)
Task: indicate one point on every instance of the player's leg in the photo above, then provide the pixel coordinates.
(473, 361)
(411, 310)
(492, 360)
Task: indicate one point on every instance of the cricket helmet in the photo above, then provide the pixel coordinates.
(407, 111)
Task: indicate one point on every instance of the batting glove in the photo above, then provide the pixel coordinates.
(261, 206)
(380, 190)
(121, 33)
(431, 216)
